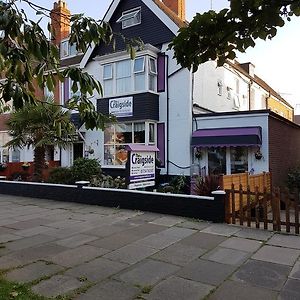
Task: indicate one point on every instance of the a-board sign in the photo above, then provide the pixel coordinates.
(141, 166)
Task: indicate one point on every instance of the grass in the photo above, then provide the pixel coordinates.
(15, 291)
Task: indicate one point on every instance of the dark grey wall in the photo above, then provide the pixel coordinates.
(151, 30)
(205, 209)
(145, 106)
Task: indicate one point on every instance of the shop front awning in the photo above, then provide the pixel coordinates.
(226, 137)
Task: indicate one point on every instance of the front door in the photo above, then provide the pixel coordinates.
(77, 151)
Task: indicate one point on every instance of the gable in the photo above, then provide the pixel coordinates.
(152, 29)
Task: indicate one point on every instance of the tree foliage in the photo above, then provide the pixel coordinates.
(219, 35)
(27, 56)
(40, 125)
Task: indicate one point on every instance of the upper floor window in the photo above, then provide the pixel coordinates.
(67, 50)
(130, 18)
(126, 76)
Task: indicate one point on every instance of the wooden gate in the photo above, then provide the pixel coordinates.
(277, 210)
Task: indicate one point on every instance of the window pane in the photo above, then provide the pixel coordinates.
(239, 160)
(107, 72)
(139, 133)
(15, 155)
(151, 133)
(124, 85)
(123, 68)
(108, 87)
(121, 155)
(139, 82)
(152, 82)
(109, 134)
(72, 49)
(152, 66)
(139, 65)
(123, 134)
(109, 155)
(217, 161)
(64, 50)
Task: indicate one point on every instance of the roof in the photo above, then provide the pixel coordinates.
(236, 65)
(74, 60)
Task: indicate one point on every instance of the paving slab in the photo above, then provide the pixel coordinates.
(115, 241)
(227, 256)
(32, 231)
(295, 273)
(232, 290)
(277, 255)
(263, 274)
(205, 271)
(179, 254)
(57, 285)
(28, 242)
(291, 290)
(77, 255)
(168, 221)
(290, 241)
(203, 240)
(33, 272)
(8, 237)
(111, 290)
(107, 230)
(146, 230)
(29, 224)
(255, 234)
(131, 254)
(97, 269)
(198, 225)
(241, 244)
(76, 240)
(221, 229)
(179, 289)
(149, 272)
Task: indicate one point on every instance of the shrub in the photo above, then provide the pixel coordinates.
(60, 175)
(107, 181)
(293, 178)
(177, 185)
(85, 169)
(205, 185)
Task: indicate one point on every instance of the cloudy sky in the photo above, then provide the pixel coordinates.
(276, 61)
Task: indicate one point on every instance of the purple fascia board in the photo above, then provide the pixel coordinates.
(228, 131)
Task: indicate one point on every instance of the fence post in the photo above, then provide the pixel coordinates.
(220, 196)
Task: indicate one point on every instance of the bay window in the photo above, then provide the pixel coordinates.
(118, 136)
(127, 76)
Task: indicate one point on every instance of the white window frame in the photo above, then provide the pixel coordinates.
(143, 68)
(131, 14)
(111, 75)
(68, 55)
(146, 69)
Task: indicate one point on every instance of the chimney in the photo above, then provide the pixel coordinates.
(249, 68)
(60, 21)
(177, 6)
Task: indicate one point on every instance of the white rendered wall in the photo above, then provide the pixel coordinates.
(241, 121)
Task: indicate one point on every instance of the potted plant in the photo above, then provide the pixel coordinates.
(3, 166)
(198, 153)
(258, 155)
(25, 166)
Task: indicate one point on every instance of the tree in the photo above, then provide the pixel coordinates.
(218, 36)
(27, 55)
(40, 125)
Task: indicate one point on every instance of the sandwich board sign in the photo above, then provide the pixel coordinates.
(141, 166)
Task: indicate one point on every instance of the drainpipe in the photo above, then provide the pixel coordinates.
(249, 91)
(168, 111)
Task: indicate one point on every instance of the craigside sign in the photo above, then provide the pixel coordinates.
(141, 167)
(121, 107)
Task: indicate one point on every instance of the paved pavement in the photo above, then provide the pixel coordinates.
(92, 252)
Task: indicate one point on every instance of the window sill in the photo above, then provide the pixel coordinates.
(129, 94)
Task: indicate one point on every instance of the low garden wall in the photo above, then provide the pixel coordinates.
(204, 208)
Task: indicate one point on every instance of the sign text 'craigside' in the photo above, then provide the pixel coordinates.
(121, 107)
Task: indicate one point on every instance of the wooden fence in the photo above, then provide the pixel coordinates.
(277, 210)
(261, 181)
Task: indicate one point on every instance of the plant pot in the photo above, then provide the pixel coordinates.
(258, 155)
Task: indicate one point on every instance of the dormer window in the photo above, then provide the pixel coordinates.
(67, 50)
(130, 18)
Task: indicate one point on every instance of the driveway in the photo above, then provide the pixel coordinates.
(91, 252)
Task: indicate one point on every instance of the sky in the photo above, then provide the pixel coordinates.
(276, 62)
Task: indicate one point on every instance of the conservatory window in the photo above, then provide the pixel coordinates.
(118, 136)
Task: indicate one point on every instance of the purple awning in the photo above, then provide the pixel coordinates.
(222, 137)
(141, 148)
